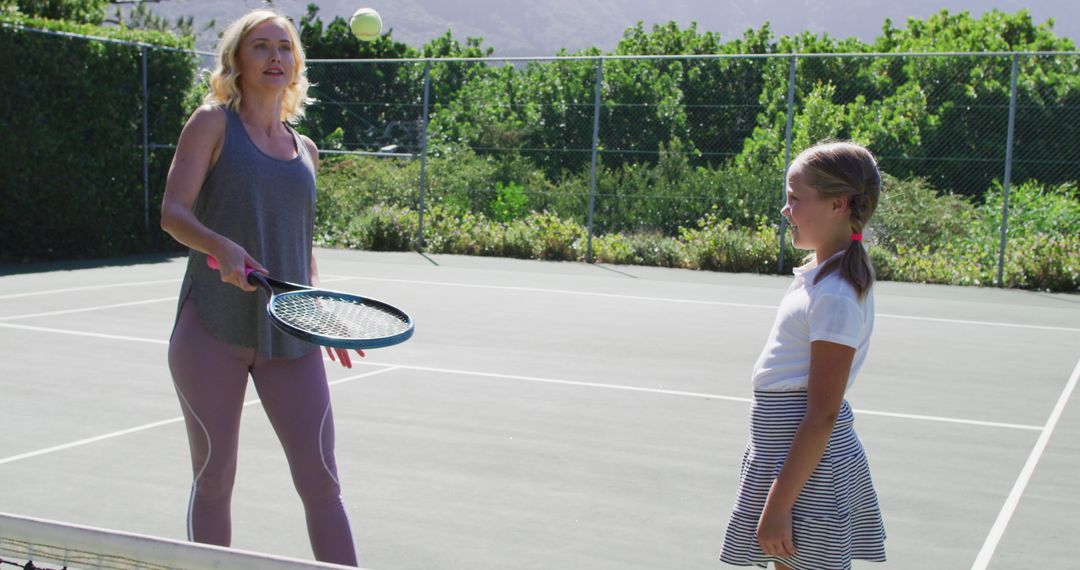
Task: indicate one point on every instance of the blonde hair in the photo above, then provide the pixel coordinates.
(837, 169)
(225, 79)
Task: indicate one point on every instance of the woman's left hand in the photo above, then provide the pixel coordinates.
(774, 533)
(342, 355)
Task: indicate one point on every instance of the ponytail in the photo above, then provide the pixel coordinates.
(854, 266)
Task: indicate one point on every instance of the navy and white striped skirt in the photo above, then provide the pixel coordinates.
(835, 519)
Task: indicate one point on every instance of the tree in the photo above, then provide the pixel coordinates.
(81, 11)
(141, 17)
(360, 106)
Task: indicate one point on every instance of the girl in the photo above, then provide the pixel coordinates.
(242, 189)
(806, 500)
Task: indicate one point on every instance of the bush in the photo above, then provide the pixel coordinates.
(1043, 261)
(639, 249)
(71, 141)
(661, 198)
(474, 207)
(912, 214)
(715, 245)
(510, 202)
(924, 237)
(1033, 209)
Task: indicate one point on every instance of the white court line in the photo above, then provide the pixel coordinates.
(1007, 510)
(87, 288)
(569, 292)
(145, 427)
(337, 278)
(102, 307)
(979, 323)
(126, 284)
(948, 420)
(85, 309)
(699, 302)
(567, 382)
(83, 333)
(692, 394)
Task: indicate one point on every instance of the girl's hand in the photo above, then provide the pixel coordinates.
(342, 355)
(774, 533)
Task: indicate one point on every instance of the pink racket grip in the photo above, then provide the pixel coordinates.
(213, 264)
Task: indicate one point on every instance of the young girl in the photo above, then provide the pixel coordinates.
(242, 189)
(806, 500)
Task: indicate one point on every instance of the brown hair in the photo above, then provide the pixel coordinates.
(846, 169)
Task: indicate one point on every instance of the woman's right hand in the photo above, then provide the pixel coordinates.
(233, 260)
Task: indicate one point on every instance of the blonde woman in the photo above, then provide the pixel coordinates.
(806, 500)
(241, 188)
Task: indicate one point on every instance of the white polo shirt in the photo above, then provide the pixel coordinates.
(830, 311)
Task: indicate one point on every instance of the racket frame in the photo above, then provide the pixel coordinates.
(272, 287)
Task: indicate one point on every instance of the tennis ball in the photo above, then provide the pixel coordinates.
(365, 24)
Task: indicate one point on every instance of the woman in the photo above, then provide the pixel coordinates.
(241, 188)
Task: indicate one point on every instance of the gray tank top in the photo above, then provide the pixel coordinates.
(267, 206)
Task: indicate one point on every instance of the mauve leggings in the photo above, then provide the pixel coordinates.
(210, 378)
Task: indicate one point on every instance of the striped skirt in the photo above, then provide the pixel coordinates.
(835, 519)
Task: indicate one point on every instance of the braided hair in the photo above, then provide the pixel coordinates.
(838, 169)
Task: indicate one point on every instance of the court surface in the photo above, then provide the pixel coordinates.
(551, 415)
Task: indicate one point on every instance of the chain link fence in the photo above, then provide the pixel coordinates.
(651, 146)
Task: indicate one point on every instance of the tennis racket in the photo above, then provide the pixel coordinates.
(330, 318)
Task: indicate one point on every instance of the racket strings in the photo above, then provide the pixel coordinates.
(332, 316)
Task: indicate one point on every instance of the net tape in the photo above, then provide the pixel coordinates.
(40, 544)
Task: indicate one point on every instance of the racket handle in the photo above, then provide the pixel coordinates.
(212, 262)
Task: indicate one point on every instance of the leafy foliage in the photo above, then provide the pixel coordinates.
(78, 190)
(77, 11)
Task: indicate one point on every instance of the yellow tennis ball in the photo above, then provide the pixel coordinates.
(366, 24)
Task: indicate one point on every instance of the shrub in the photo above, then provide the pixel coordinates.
(716, 245)
(380, 228)
(510, 202)
(71, 144)
(639, 249)
(916, 235)
(1033, 209)
(912, 214)
(1043, 261)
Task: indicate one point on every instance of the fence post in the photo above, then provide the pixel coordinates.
(146, 144)
(787, 155)
(1008, 171)
(595, 152)
(423, 156)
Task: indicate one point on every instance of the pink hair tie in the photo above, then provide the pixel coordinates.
(856, 237)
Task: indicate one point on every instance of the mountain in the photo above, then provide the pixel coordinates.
(542, 27)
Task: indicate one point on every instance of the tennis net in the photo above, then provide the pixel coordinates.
(31, 543)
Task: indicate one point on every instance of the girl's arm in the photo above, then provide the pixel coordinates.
(198, 147)
(830, 365)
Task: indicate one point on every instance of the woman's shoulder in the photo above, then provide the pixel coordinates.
(210, 118)
(204, 132)
(208, 115)
(311, 146)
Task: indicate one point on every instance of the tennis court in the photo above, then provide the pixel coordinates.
(551, 415)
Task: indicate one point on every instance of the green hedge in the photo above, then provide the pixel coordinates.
(726, 221)
(72, 138)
